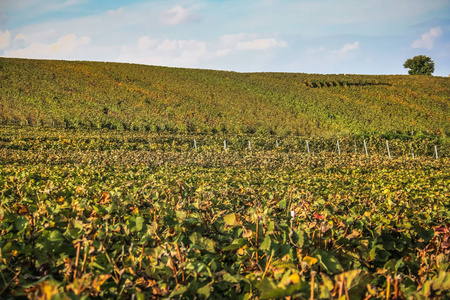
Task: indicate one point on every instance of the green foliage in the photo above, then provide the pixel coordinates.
(102, 194)
(104, 214)
(95, 95)
(419, 65)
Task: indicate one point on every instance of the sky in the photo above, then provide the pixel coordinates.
(306, 36)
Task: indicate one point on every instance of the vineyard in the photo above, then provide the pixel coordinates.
(143, 182)
(135, 214)
(96, 95)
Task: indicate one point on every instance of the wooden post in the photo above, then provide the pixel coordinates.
(195, 144)
(387, 147)
(307, 147)
(365, 148)
(224, 144)
(276, 143)
(249, 146)
(338, 147)
(435, 151)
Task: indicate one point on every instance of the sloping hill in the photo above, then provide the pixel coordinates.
(137, 97)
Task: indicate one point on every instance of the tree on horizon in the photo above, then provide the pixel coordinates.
(419, 65)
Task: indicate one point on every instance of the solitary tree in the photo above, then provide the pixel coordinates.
(419, 65)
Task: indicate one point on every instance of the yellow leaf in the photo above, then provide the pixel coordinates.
(241, 251)
(230, 219)
(310, 260)
(294, 278)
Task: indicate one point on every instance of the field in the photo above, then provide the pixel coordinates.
(143, 182)
(136, 215)
(186, 101)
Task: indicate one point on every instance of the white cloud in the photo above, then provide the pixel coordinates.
(178, 53)
(64, 48)
(243, 41)
(260, 44)
(350, 47)
(116, 13)
(230, 40)
(5, 38)
(323, 59)
(192, 53)
(145, 43)
(177, 15)
(347, 48)
(169, 45)
(427, 39)
(20, 36)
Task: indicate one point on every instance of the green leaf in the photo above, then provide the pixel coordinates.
(328, 261)
(205, 291)
(180, 214)
(269, 290)
(236, 244)
(139, 223)
(282, 204)
(299, 237)
(229, 278)
(55, 236)
(201, 242)
(327, 282)
(356, 281)
(442, 282)
(265, 245)
(379, 254)
(21, 222)
(178, 291)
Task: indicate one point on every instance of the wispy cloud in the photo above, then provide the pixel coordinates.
(324, 58)
(116, 13)
(314, 36)
(260, 44)
(244, 41)
(20, 36)
(5, 38)
(179, 53)
(178, 15)
(427, 39)
(64, 47)
(189, 53)
(347, 48)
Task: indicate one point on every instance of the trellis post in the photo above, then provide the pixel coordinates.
(387, 147)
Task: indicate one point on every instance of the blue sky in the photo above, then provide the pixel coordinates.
(311, 36)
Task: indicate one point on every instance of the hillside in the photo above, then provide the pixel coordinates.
(162, 99)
